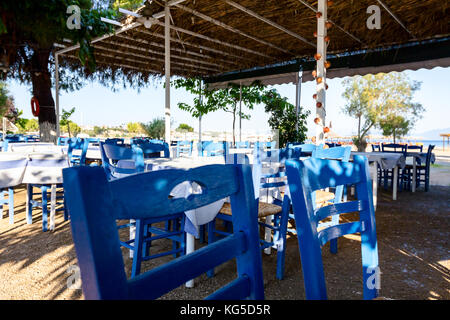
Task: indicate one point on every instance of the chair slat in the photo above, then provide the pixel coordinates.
(339, 208)
(337, 231)
(173, 274)
(237, 289)
(157, 190)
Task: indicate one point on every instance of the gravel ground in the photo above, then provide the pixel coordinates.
(413, 240)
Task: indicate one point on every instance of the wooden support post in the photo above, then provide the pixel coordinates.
(321, 70)
(240, 111)
(167, 72)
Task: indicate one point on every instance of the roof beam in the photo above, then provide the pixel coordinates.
(329, 20)
(124, 65)
(227, 27)
(122, 56)
(197, 46)
(149, 51)
(396, 18)
(233, 46)
(159, 45)
(269, 22)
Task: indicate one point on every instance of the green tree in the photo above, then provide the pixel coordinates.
(98, 130)
(66, 114)
(374, 100)
(7, 106)
(134, 127)
(395, 126)
(284, 118)
(203, 102)
(155, 129)
(183, 127)
(229, 100)
(28, 31)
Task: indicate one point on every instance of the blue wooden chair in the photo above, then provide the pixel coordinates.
(272, 215)
(119, 162)
(102, 203)
(305, 177)
(116, 141)
(326, 197)
(388, 175)
(307, 148)
(184, 147)
(212, 149)
(422, 172)
(77, 144)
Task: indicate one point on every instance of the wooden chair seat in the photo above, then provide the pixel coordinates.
(265, 209)
(324, 197)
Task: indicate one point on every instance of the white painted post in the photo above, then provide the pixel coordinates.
(298, 93)
(321, 70)
(58, 132)
(200, 118)
(167, 71)
(240, 111)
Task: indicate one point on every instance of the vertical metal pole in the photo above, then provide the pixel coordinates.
(321, 71)
(58, 132)
(200, 118)
(240, 111)
(167, 71)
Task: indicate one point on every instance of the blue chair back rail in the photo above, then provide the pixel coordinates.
(212, 149)
(77, 144)
(313, 174)
(184, 147)
(115, 141)
(112, 155)
(375, 147)
(93, 202)
(153, 149)
(394, 147)
(307, 148)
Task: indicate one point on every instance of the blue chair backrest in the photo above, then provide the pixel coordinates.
(414, 148)
(63, 141)
(212, 149)
(394, 147)
(242, 144)
(115, 141)
(336, 153)
(114, 156)
(429, 153)
(305, 177)
(266, 145)
(152, 149)
(307, 148)
(375, 147)
(77, 144)
(102, 203)
(184, 147)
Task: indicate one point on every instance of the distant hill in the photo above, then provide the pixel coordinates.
(433, 134)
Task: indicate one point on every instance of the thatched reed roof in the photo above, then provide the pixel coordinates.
(212, 37)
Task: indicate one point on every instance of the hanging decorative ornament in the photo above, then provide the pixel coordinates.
(326, 130)
(319, 104)
(319, 80)
(329, 3)
(315, 34)
(326, 86)
(314, 73)
(328, 25)
(317, 56)
(317, 120)
(327, 39)
(327, 64)
(315, 96)
(318, 14)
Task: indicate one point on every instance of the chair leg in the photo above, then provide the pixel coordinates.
(29, 204)
(334, 242)
(138, 246)
(44, 208)
(281, 248)
(2, 197)
(11, 205)
(211, 239)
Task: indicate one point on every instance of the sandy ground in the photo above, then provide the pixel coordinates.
(413, 240)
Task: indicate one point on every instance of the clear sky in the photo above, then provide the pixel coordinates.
(98, 105)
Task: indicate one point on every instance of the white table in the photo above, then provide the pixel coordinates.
(34, 168)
